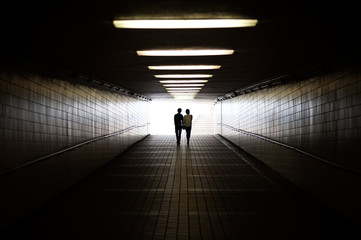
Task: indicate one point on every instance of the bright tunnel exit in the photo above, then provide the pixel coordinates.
(162, 116)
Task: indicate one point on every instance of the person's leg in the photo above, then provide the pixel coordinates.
(188, 130)
(177, 134)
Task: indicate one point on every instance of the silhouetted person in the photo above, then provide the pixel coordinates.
(187, 121)
(178, 122)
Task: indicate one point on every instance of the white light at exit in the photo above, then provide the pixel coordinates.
(183, 97)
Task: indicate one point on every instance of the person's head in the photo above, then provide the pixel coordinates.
(179, 110)
(187, 111)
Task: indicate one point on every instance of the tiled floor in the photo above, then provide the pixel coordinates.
(158, 190)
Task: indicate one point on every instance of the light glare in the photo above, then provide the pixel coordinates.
(186, 52)
(185, 23)
(183, 81)
(183, 95)
(183, 85)
(183, 91)
(185, 67)
(184, 76)
(184, 88)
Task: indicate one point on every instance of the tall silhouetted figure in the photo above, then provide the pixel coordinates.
(178, 122)
(187, 121)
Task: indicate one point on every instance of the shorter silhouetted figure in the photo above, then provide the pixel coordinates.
(187, 121)
(178, 122)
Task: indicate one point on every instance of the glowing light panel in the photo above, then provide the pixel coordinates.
(183, 81)
(184, 76)
(183, 88)
(183, 85)
(186, 52)
(185, 67)
(185, 23)
(184, 91)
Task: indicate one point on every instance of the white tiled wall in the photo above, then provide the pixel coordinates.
(321, 116)
(40, 116)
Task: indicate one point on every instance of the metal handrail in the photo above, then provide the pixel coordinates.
(289, 147)
(255, 87)
(71, 148)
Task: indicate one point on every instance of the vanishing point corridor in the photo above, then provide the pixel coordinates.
(206, 190)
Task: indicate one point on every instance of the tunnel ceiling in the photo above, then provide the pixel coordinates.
(289, 37)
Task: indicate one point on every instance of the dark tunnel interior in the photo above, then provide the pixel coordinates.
(273, 87)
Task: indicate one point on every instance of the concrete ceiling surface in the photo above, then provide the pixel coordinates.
(81, 37)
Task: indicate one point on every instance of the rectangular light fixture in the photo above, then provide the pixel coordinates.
(184, 23)
(186, 52)
(185, 67)
(183, 94)
(183, 85)
(195, 88)
(184, 81)
(184, 91)
(184, 76)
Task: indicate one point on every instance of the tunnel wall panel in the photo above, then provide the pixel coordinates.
(40, 116)
(320, 116)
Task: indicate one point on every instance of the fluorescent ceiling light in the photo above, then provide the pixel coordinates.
(185, 67)
(183, 94)
(183, 91)
(185, 23)
(186, 52)
(184, 88)
(183, 81)
(184, 76)
(174, 95)
(183, 85)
